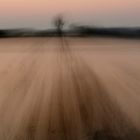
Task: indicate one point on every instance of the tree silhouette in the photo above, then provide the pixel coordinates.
(59, 24)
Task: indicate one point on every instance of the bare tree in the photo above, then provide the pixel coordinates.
(59, 24)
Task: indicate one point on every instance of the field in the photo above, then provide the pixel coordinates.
(69, 89)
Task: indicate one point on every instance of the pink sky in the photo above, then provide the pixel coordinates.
(38, 13)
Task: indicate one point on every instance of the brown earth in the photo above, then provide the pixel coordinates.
(69, 89)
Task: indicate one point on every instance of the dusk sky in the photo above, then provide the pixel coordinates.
(39, 13)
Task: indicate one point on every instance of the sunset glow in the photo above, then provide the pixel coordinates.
(38, 13)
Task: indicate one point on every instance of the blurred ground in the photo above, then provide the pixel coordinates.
(69, 89)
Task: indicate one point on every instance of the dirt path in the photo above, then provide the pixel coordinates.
(48, 92)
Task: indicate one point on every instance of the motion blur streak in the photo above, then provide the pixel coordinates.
(69, 89)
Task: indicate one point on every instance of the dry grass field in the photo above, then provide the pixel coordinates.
(69, 89)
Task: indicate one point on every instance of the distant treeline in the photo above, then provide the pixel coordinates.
(75, 31)
(26, 33)
(112, 32)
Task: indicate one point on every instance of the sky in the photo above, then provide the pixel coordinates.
(40, 13)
